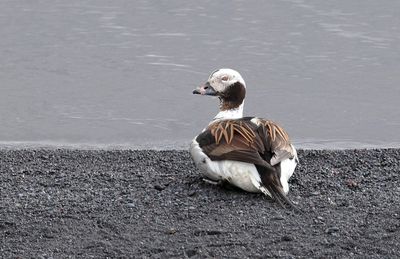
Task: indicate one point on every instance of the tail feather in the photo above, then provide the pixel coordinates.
(271, 186)
(282, 199)
(277, 194)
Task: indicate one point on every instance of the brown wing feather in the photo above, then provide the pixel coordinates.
(245, 136)
(279, 142)
(226, 130)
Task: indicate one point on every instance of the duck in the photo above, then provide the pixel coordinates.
(250, 153)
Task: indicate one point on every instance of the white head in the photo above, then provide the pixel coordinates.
(228, 85)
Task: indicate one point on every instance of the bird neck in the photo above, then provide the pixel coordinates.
(233, 113)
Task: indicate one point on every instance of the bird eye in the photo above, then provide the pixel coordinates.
(224, 78)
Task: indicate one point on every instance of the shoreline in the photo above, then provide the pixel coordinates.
(184, 145)
(149, 203)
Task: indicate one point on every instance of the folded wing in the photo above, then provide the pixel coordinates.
(252, 140)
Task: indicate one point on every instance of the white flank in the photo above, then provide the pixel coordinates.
(240, 174)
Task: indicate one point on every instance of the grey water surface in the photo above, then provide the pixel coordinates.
(97, 73)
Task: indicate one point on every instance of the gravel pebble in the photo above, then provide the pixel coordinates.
(141, 204)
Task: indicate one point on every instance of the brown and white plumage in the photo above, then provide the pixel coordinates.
(253, 154)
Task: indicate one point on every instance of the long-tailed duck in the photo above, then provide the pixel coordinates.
(251, 153)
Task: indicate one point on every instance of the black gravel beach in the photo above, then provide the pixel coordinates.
(154, 204)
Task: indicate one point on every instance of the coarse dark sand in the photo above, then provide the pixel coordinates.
(140, 204)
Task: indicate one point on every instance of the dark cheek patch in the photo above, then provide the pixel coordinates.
(233, 96)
